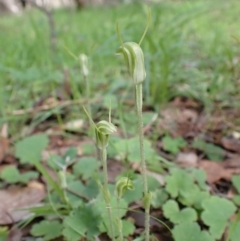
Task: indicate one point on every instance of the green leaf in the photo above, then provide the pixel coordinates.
(128, 228)
(213, 152)
(86, 167)
(173, 145)
(50, 180)
(12, 175)
(216, 213)
(49, 230)
(200, 177)
(159, 197)
(234, 231)
(153, 183)
(26, 176)
(82, 222)
(172, 212)
(190, 231)
(3, 233)
(56, 162)
(236, 200)
(193, 197)
(70, 154)
(77, 187)
(91, 190)
(236, 182)
(71, 233)
(105, 224)
(179, 180)
(135, 194)
(88, 149)
(29, 149)
(130, 149)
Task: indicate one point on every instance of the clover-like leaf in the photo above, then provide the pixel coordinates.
(29, 149)
(76, 187)
(212, 151)
(159, 197)
(128, 149)
(178, 181)
(173, 145)
(12, 175)
(128, 228)
(82, 222)
(190, 231)
(135, 194)
(172, 212)
(200, 177)
(193, 197)
(49, 230)
(86, 167)
(216, 213)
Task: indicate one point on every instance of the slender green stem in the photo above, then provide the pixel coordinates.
(119, 221)
(143, 163)
(105, 186)
(140, 132)
(88, 96)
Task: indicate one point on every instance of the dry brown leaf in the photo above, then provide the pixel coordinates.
(4, 130)
(15, 234)
(114, 169)
(183, 102)
(76, 125)
(215, 171)
(187, 159)
(231, 144)
(178, 121)
(138, 218)
(17, 197)
(233, 162)
(4, 145)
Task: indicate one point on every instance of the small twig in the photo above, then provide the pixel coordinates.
(47, 107)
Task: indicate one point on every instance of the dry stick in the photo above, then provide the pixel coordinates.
(46, 107)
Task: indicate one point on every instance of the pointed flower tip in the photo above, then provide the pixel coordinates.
(84, 64)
